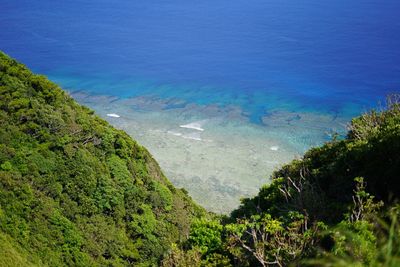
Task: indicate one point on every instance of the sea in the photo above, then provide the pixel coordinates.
(221, 92)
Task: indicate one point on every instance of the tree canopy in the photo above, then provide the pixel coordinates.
(74, 190)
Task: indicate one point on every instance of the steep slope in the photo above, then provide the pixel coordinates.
(74, 190)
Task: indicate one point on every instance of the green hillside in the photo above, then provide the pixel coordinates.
(337, 206)
(74, 190)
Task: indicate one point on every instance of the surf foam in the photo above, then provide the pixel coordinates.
(197, 125)
(192, 136)
(113, 115)
(175, 133)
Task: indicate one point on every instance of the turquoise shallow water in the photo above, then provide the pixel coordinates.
(212, 151)
(279, 73)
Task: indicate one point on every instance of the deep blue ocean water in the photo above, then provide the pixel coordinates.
(326, 56)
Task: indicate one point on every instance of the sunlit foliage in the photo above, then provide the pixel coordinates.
(74, 190)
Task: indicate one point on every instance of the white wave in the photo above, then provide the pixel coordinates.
(113, 115)
(192, 136)
(274, 148)
(175, 133)
(197, 125)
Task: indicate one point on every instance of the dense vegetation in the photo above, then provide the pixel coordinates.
(337, 206)
(74, 191)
